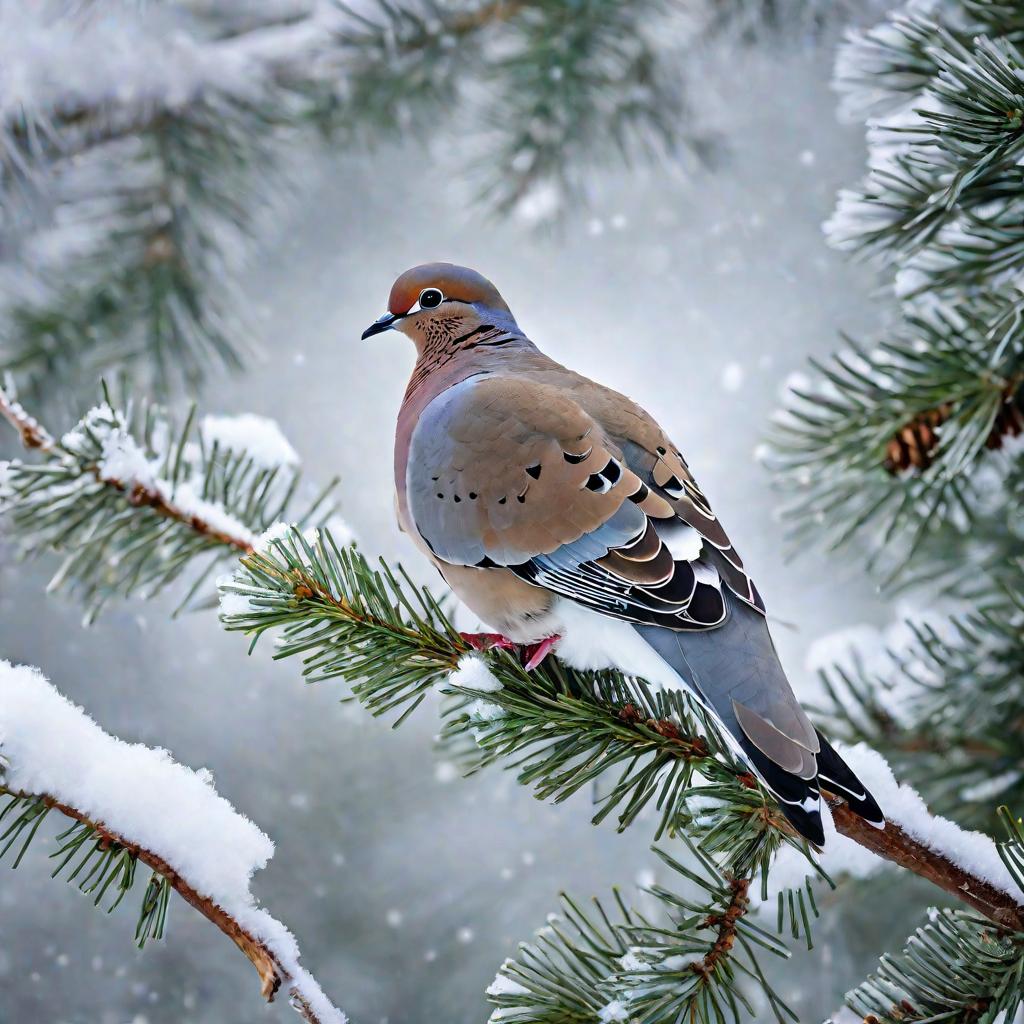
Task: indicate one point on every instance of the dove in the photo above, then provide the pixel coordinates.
(548, 501)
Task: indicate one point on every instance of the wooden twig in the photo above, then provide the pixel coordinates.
(35, 436)
(893, 844)
(273, 974)
(726, 922)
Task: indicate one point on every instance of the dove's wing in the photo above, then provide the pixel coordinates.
(505, 471)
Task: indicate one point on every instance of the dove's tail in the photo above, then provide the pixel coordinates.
(735, 673)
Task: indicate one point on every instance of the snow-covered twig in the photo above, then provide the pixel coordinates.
(150, 499)
(159, 812)
(963, 863)
(32, 433)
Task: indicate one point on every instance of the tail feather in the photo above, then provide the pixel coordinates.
(835, 775)
(799, 800)
(736, 665)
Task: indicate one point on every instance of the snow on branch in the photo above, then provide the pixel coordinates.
(138, 802)
(132, 501)
(393, 643)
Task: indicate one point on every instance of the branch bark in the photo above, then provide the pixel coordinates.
(32, 433)
(272, 972)
(35, 437)
(893, 844)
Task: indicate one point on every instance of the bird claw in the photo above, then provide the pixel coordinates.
(536, 653)
(488, 641)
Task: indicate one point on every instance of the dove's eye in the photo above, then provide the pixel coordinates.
(430, 298)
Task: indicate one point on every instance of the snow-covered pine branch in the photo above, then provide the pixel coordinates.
(133, 502)
(127, 804)
(563, 727)
(884, 446)
(935, 694)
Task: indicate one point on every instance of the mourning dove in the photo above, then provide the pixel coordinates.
(542, 496)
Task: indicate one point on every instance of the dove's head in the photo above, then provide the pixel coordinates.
(439, 303)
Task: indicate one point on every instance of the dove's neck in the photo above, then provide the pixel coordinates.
(454, 349)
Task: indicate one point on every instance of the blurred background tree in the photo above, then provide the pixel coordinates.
(143, 146)
(909, 449)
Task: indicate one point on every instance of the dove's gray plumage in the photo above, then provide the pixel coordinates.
(528, 484)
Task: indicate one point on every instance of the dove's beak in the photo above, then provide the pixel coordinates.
(380, 325)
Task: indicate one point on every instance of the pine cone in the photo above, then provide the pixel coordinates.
(1009, 421)
(914, 445)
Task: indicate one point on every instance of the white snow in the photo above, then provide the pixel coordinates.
(142, 55)
(889, 656)
(276, 531)
(123, 462)
(52, 747)
(989, 789)
(503, 985)
(974, 852)
(613, 1012)
(259, 437)
(591, 640)
(472, 673)
(732, 377)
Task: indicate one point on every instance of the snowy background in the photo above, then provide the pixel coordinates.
(407, 886)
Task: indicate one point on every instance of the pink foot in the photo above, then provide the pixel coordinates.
(536, 653)
(485, 641)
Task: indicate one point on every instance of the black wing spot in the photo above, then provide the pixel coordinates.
(501, 501)
(661, 451)
(439, 494)
(596, 482)
(612, 472)
(575, 460)
(640, 494)
(521, 498)
(674, 486)
(534, 471)
(486, 563)
(472, 495)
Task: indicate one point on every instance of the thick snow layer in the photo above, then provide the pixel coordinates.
(259, 437)
(124, 53)
(52, 747)
(975, 852)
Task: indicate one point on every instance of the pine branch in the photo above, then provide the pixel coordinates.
(687, 963)
(559, 727)
(86, 849)
(950, 374)
(143, 808)
(133, 501)
(958, 967)
(945, 708)
(106, 860)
